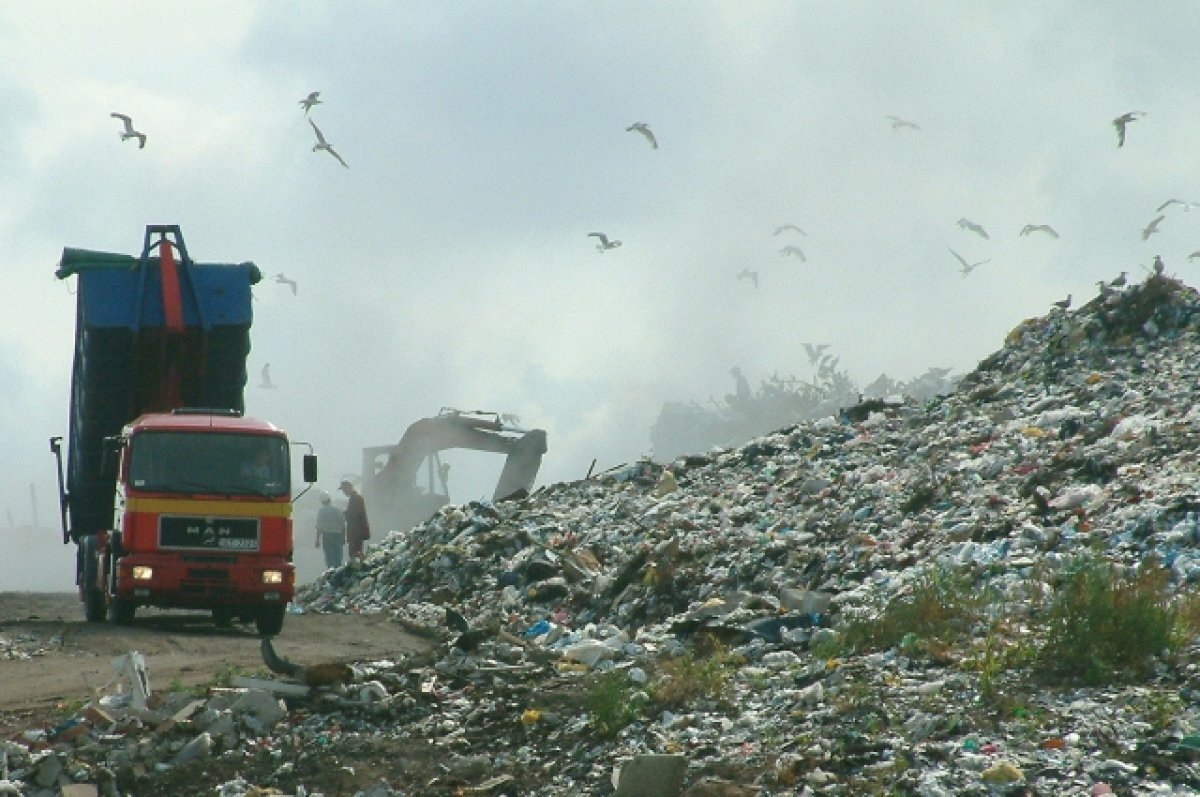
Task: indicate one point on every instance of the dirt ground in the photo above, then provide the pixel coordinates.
(51, 659)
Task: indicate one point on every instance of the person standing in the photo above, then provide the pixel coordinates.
(331, 531)
(358, 530)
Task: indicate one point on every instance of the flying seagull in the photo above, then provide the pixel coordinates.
(1194, 255)
(967, 268)
(312, 99)
(604, 244)
(291, 283)
(1186, 205)
(323, 144)
(747, 274)
(794, 251)
(644, 129)
(1046, 228)
(1063, 304)
(129, 132)
(967, 224)
(785, 227)
(1151, 228)
(266, 377)
(815, 351)
(898, 123)
(1123, 120)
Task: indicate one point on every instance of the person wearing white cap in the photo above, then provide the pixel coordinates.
(331, 531)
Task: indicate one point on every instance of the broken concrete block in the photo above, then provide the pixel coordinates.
(264, 708)
(81, 790)
(200, 747)
(652, 776)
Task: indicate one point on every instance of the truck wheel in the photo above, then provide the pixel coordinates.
(121, 611)
(269, 620)
(94, 609)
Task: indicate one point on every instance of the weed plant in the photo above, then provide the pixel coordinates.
(1101, 627)
(613, 703)
(941, 606)
(681, 680)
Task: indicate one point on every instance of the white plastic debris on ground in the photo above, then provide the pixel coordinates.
(1079, 434)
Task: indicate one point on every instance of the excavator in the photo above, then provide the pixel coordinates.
(397, 502)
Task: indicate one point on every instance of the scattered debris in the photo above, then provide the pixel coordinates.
(712, 597)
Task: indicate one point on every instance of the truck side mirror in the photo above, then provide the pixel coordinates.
(310, 468)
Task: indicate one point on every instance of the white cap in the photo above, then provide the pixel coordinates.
(325, 499)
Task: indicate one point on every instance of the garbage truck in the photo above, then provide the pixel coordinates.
(173, 497)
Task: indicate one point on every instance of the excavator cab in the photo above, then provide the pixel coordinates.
(405, 484)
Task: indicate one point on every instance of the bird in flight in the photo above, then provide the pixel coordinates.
(266, 378)
(1194, 255)
(1152, 227)
(1186, 205)
(291, 283)
(815, 351)
(323, 144)
(1123, 120)
(967, 224)
(967, 268)
(312, 99)
(1063, 304)
(898, 123)
(1046, 228)
(747, 274)
(785, 227)
(129, 132)
(644, 129)
(604, 244)
(793, 251)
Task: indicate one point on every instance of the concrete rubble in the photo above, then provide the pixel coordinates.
(1079, 434)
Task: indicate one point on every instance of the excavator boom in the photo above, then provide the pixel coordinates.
(390, 472)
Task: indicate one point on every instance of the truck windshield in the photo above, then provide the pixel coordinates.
(209, 462)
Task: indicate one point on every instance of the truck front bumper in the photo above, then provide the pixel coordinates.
(204, 581)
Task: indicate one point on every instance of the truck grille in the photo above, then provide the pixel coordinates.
(208, 533)
(207, 574)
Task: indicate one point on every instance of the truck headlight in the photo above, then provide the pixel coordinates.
(143, 572)
(272, 577)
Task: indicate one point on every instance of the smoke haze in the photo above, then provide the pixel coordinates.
(450, 264)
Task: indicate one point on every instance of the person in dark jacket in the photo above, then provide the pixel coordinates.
(358, 530)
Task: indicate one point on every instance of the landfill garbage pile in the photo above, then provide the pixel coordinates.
(688, 628)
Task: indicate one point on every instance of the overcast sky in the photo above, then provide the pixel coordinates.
(450, 264)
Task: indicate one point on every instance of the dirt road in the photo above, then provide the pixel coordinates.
(51, 658)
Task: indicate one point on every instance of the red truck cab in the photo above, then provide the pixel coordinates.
(203, 517)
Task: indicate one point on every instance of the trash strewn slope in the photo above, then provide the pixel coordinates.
(690, 622)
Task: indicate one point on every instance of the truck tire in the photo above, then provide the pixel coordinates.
(94, 609)
(269, 620)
